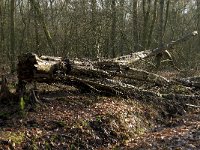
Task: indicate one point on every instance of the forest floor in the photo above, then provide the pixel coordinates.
(68, 119)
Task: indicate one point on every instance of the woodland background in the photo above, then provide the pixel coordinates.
(97, 103)
(97, 28)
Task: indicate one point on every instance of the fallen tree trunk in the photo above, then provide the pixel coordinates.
(108, 76)
(190, 81)
(133, 57)
(34, 68)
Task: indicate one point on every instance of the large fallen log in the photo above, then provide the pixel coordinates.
(34, 68)
(108, 76)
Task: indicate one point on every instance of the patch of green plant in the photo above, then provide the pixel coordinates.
(84, 123)
(47, 145)
(98, 118)
(54, 137)
(22, 103)
(34, 146)
(73, 147)
(16, 138)
(139, 129)
(180, 89)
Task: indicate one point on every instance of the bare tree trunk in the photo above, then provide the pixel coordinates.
(152, 24)
(37, 43)
(198, 20)
(166, 15)
(25, 22)
(2, 27)
(146, 16)
(106, 47)
(160, 33)
(12, 34)
(121, 26)
(94, 32)
(135, 26)
(161, 21)
(36, 6)
(113, 29)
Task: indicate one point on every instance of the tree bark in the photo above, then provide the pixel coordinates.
(93, 26)
(36, 6)
(160, 34)
(198, 20)
(113, 29)
(146, 17)
(152, 24)
(12, 34)
(122, 28)
(2, 27)
(135, 26)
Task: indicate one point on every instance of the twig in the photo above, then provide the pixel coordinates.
(192, 105)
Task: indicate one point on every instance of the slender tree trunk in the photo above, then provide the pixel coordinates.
(135, 26)
(37, 43)
(106, 47)
(2, 36)
(12, 35)
(36, 6)
(146, 15)
(23, 33)
(166, 15)
(152, 24)
(93, 25)
(160, 33)
(198, 21)
(161, 21)
(121, 26)
(113, 29)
